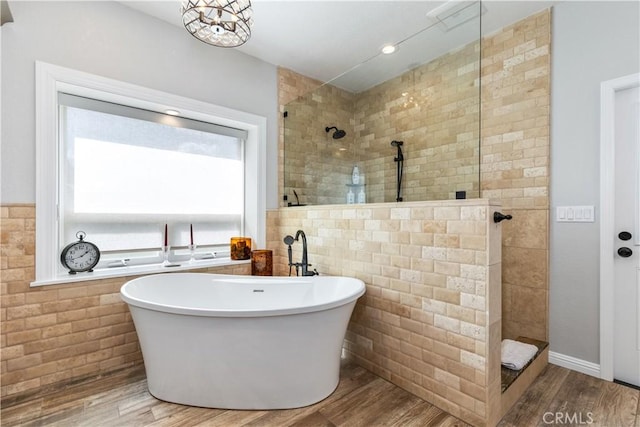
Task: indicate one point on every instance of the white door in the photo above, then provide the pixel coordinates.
(626, 366)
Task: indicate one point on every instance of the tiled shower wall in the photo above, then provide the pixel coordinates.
(514, 158)
(515, 165)
(432, 108)
(291, 86)
(430, 318)
(53, 334)
(315, 161)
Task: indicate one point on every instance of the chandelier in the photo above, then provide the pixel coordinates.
(223, 23)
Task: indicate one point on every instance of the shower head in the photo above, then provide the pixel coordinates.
(339, 133)
(288, 240)
(397, 143)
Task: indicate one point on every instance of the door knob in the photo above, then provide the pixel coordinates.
(625, 252)
(624, 235)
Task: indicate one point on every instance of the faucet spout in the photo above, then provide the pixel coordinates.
(304, 247)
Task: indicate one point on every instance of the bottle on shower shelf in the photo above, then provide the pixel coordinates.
(362, 197)
(355, 175)
(351, 197)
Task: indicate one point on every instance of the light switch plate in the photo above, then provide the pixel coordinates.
(575, 214)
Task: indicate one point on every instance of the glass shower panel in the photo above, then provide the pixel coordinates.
(429, 98)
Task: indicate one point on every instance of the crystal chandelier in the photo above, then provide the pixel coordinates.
(223, 23)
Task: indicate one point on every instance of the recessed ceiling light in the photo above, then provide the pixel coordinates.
(172, 112)
(388, 49)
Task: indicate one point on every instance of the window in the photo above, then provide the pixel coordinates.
(125, 172)
(123, 169)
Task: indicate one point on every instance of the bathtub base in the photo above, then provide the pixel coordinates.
(241, 402)
(276, 362)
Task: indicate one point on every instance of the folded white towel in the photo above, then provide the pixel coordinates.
(516, 354)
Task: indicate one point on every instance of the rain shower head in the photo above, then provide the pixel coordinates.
(339, 133)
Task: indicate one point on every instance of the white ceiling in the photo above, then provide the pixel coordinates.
(326, 39)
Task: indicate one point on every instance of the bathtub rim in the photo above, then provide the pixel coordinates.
(243, 313)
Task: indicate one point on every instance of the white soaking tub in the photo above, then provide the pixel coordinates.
(241, 342)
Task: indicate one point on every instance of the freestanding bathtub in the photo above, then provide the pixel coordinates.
(241, 342)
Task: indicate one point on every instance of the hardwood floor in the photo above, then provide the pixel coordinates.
(563, 397)
(361, 399)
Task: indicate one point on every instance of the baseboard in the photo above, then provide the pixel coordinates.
(575, 364)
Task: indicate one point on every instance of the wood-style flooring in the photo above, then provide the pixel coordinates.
(560, 396)
(361, 399)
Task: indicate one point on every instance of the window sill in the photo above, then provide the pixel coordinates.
(106, 273)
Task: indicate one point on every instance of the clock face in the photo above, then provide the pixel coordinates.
(80, 256)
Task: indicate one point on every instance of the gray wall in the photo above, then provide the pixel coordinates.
(591, 42)
(112, 40)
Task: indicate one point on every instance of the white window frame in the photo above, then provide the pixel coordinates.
(51, 79)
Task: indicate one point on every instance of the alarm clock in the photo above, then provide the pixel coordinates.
(80, 256)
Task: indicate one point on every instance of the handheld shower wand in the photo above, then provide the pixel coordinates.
(288, 240)
(399, 159)
(398, 144)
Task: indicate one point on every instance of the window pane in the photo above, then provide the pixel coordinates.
(124, 178)
(152, 181)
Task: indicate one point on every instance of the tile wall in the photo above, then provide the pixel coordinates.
(514, 153)
(515, 165)
(430, 319)
(51, 335)
(317, 164)
(433, 109)
(291, 86)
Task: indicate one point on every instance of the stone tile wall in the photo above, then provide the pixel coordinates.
(432, 108)
(291, 86)
(430, 319)
(318, 166)
(514, 159)
(51, 335)
(515, 165)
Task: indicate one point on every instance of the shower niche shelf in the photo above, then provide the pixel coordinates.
(514, 383)
(509, 376)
